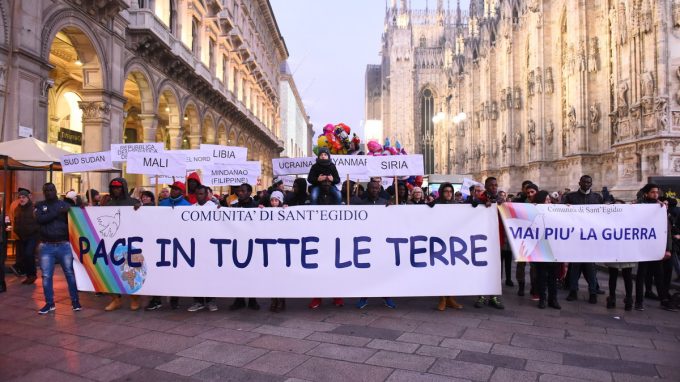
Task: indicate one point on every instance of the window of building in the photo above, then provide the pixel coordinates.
(195, 38)
(427, 129)
(423, 41)
(235, 83)
(225, 70)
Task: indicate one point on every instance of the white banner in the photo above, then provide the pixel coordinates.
(119, 152)
(156, 164)
(225, 154)
(309, 251)
(232, 174)
(86, 162)
(195, 159)
(353, 165)
(606, 233)
(396, 165)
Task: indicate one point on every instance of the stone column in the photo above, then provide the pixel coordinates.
(96, 120)
(149, 127)
(194, 141)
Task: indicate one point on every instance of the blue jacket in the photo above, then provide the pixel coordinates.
(53, 224)
(170, 202)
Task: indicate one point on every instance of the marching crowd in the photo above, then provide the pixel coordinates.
(42, 227)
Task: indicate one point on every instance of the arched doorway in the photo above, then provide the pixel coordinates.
(138, 116)
(169, 122)
(191, 127)
(71, 55)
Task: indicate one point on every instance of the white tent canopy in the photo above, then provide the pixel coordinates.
(32, 152)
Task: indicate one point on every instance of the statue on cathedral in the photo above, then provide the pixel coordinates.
(676, 13)
(646, 16)
(530, 83)
(518, 140)
(622, 24)
(622, 99)
(517, 98)
(539, 80)
(503, 98)
(582, 56)
(549, 84)
(493, 113)
(647, 82)
(571, 116)
(613, 120)
(509, 99)
(594, 117)
(677, 94)
(550, 132)
(532, 132)
(494, 148)
(504, 143)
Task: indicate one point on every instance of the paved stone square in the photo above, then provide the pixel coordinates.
(411, 343)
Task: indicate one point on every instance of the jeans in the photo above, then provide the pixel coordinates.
(588, 270)
(506, 259)
(26, 255)
(332, 190)
(49, 254)
(627, 275)
(546, 275)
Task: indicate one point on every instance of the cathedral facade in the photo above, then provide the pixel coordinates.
(534, 89)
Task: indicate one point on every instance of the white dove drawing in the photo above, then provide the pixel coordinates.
(528, 245)
(109, 224)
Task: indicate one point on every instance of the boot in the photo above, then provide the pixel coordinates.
(274, 305)
(628, 304)
(452, 303)
(611, 302)
(520, 291)
(134, 303)
(281, 306)
(114, 304)
(442, 304)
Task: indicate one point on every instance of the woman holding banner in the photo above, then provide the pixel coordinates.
(446, 197)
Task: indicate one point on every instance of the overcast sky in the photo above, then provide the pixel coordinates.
(330, 43)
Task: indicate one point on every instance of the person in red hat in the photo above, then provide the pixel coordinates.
(177, 191)
(193, 181)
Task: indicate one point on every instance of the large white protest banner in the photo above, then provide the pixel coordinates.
(395, 165)
(195, 159)
(119, 152)
(225, 154)
(86, 162)
(310, 251)
(585, 233)
(353, 165)
(232, 174)
(157, 164)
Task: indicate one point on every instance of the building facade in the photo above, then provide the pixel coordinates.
(295, 123)
(181, 72)
(535, 89)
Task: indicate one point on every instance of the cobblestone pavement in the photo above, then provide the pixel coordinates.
(411, 343)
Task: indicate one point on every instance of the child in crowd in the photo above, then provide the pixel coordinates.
(324, 171)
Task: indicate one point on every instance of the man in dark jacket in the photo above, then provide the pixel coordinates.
(373, 195)
(659, 269)
(26, 228)
(324, 171)
(52, 217)
(244, 201)
(584, 195)
(119, 197)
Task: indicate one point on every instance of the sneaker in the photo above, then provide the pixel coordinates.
(47, 308)
(611, 302)
(29, 280)
(252, 304)
(509, 283)
(554, 304)
(212, 306)
(153, 305)
(338, 302)
(535, 297)
(639, 306)
(593, 299)
(541, 304)
(174, 304)
(362, 303)
(315, 303)
(651, 295)
(666, 305)
(495, 301)
(572, 296)
(480, 302)
(196, 307)
(389, 303)
(76, 306)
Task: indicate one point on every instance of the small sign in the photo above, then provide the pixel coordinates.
(25, 132)
(156, 164)
(86, 162)
(70, 136)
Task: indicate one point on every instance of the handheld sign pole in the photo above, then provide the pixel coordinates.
(396, 191)
(89, 188)
(157, 191)
(348, 189)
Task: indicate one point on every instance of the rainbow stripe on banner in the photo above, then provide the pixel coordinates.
(104, 275)
(528, 249)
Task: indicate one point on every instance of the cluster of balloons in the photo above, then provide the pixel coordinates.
(376, 149)
(338, 141)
